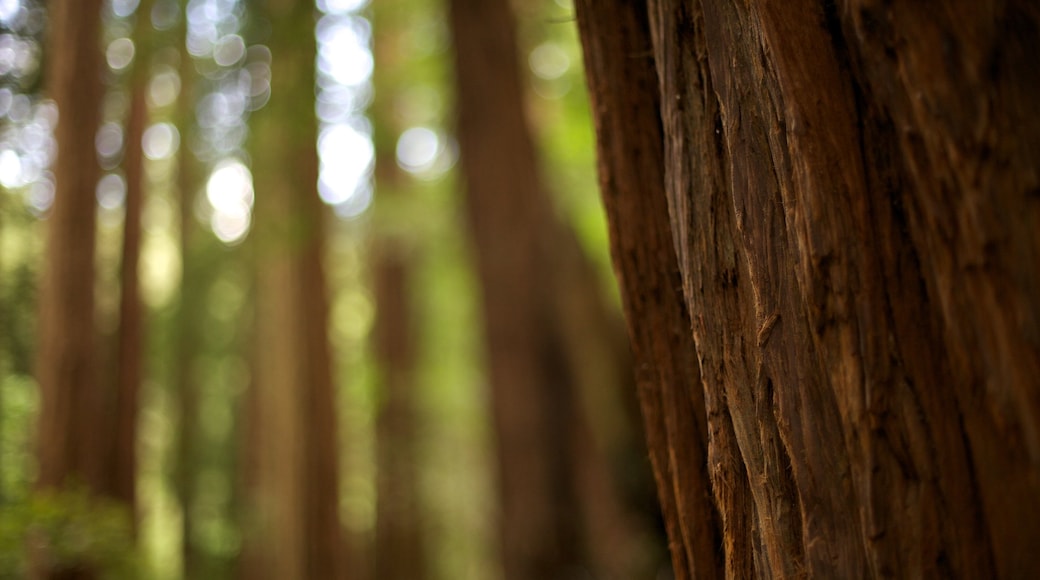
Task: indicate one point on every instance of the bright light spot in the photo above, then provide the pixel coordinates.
(21, 108)
(124, 8)
(10, 169)
(111, 191)
(340, 6)
(230, 228)
(230, 193)
(120, 53)
(229, 50)
(356, 204)
(160, 141)
(41, 195)
(6, 97)
(47, 114)
(164, 88)
(549, 61)
(9, 9)
(346, 158)
(417, 149)
(109, 140)
(343, 52)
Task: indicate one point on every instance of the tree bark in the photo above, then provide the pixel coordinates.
(850, 192)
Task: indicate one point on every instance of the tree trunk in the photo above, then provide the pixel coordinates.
(399, 547)
(122, 465)
(296, 476)
(560, 510)
(69, 451)
(191, 312)
(850, 193)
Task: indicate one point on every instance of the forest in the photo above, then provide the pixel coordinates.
(487, 289)
(242, 299)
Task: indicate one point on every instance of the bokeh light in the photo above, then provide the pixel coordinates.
(229, 190)
(345, 147)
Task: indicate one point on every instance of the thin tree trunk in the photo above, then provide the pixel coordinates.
(190, 311)
(399, 547)
(122, 465)
(850, 192)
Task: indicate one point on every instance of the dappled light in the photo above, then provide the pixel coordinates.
(255, 316)
(229, 190)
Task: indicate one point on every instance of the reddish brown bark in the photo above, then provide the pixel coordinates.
(69, 453)
(122, 463)
(850, 191)
(65, 368)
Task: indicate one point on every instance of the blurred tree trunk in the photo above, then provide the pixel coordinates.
(296, 477)
(560, 512)
(190, 311)
(70, 452)
(840, 364)
(122, 466)
(399, 550)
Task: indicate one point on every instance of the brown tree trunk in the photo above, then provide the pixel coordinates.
(850, 192)
(122, 463)
(298, 534)
(560, 512)
(399, 548)
(69, 451)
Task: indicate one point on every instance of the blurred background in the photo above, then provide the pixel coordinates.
(338, 303)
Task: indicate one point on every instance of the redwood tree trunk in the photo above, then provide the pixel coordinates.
(850, 192)
(69, 452)
(297, 533)
(122, 466)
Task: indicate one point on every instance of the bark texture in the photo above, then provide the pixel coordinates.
(295, 476)
(832, 210)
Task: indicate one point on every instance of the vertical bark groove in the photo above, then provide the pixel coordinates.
(848, 189)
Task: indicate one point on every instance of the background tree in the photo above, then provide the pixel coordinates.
(399, 552)
(548, 334)
(297, 531)
(69, 452)
(842, 374)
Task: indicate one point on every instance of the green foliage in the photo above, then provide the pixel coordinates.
(67, 528)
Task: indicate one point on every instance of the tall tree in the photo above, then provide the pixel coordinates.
(68, 452)
(825, 225)
(122, 465)
(560, 512)
(399, 550)
(65, 367)
(190, 310)
(296, 477)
